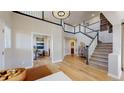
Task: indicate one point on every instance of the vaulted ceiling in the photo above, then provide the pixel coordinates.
(76, 17)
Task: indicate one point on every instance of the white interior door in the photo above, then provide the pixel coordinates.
(1, 47)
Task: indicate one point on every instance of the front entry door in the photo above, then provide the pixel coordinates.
(72, 51)
(1, 47)
(72, 48)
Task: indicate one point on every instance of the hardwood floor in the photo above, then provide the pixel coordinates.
(74, 67)
(46, 61)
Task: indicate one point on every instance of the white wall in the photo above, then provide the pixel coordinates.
(5, 19)
(94, 23)
(66, 47)
(114, 66)
(47, 44)
(1, 47)
(23, 27)
(105, 37)
(19, 55)
(93, 20)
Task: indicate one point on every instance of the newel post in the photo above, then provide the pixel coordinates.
(87, 55)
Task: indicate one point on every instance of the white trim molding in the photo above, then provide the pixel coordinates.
(114, 76)
(56, 61)
(114, 66)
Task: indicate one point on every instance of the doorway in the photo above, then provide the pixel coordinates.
(41, 49)
(72, 48)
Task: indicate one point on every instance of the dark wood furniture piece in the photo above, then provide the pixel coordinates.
(72, 51)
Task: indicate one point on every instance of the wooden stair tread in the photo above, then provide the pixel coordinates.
(100, 64)
(99, 58)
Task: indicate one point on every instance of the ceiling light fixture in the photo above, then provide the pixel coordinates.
(61, 14)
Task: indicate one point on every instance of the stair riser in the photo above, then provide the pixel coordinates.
(99, 67)
(106, 44)
(99, 60)
(104, 48)
(99, 56)
(103, 51)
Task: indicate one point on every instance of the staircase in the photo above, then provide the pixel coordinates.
(99, 58)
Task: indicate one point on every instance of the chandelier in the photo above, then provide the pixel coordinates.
(61, 14)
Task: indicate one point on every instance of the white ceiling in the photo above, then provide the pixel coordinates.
(76, 17)
(121, 15)
(115, 17)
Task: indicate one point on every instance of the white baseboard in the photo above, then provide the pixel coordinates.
(56, 61)
(29, 67)
(114, 76)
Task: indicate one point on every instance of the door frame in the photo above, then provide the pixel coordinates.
(74, 47)
(51, 46)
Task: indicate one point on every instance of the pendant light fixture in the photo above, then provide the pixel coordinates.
(61, 14)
